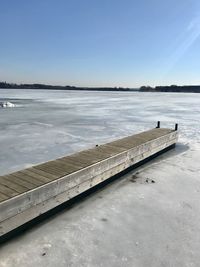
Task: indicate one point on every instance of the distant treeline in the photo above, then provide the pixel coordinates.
(172, 88)
(59, 87)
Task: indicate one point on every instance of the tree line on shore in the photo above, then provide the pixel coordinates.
(172, 88)
(5, 85)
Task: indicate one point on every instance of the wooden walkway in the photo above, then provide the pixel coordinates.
(30, 192)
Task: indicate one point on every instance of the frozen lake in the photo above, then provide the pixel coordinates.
(127, 223)
(48, 124)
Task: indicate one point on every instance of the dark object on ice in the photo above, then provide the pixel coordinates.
(134, 178)
(148, 180)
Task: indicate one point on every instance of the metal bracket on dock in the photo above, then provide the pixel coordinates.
(158, 124)
(175, 129)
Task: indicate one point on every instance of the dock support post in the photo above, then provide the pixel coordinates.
(158, 124)
(176, 127)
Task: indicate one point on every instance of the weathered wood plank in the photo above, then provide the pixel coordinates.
(12, 185)
(37, 176)
(48, 168)
(3, 197)
(8, 191)
(75, 165)
(71, 160)
(43, 173)
(19, 181)
(81, 159)
(32, 180)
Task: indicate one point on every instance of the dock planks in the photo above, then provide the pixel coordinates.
(30, 192)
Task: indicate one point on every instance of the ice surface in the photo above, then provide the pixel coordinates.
(129, 223)
(49, 124)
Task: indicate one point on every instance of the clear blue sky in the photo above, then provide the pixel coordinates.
(100, 42)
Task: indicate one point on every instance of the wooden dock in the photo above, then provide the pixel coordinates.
(26, 194)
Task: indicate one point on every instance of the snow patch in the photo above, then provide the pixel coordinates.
(7, 105)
